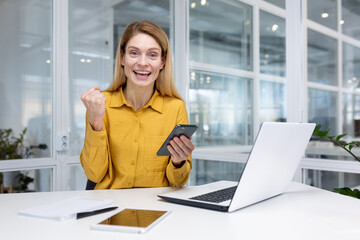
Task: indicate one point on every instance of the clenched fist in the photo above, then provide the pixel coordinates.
(94, 102)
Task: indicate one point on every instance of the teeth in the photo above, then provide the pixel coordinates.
(139, 72)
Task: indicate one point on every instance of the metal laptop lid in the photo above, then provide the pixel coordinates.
(272, 162)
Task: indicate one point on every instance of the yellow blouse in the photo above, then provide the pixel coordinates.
(123, 153)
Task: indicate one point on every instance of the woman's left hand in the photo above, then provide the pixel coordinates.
(180, 149)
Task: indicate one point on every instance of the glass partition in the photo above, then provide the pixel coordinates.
(26, 94)
(207, 171)
(89, 60)
(279, 3)
(221, 106)
(351, 66)
(30, 180)
(351, 115)
(323, 108)
(272, 45)
(221, 34)
(272, 102)
(329, 180)
(323, 12)
(350, 12)
(322, 59)
(77, 178)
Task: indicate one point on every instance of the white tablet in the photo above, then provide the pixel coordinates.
(132, 220)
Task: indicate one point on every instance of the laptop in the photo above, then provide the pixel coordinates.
(270, 168)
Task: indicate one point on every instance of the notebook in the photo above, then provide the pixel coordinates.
(65, 209)
(270, 168)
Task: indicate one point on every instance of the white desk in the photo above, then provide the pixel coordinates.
(303, 212)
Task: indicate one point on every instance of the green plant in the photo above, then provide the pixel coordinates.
(24, 181)
(12, 147)
(347, 147)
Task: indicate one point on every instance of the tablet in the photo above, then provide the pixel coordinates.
(132, 220)
(180, 129)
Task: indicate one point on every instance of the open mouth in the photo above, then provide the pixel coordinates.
(142, 73)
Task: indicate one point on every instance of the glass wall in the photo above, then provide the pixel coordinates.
(26, 110)
(231, 92)
(279, 3)
(221, 107)
(222, 29)
(237, 75)
(90, 60)
(272, 102)
(29, 180)
(333, 82)
(272, 45)
(208, 171)
(329, 180)
(350, 16)
(322, 59)
(323, 12)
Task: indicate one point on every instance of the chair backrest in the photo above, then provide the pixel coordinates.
(90, 185)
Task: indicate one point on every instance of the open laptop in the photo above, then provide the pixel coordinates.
(270, 168)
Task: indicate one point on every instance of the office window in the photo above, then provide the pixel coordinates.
(279, 3)
(225, 84)
(89, 60)
(350, 12)
(351, 115)
(272, 102)
(323, 108)
(323, 12)
(208, 171)
(351, 66)
(329, 180)
(272, 45)
(322, 59)
(25, 70)
(333, 82)
(77, 178)
(221, 106)
(29, 180)
(221, 34)
(26, 86)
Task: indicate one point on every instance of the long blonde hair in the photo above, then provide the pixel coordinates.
(165, 83)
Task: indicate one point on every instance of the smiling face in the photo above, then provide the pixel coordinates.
(142, 61)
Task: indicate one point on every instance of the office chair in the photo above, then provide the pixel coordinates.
(90, 185)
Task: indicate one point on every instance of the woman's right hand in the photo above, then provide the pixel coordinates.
(94, 102)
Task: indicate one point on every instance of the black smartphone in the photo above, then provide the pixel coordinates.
(181, 129)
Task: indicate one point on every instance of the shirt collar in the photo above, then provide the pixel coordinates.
(156, 101)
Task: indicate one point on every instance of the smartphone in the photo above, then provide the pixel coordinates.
(181, 129)
(132, 220)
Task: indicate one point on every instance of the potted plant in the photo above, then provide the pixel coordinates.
(347, 147)
(12, 147)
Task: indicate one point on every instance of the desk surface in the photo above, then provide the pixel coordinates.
(303, 212)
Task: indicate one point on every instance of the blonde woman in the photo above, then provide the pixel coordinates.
(127, 123)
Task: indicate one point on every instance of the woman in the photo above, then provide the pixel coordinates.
(127, 124)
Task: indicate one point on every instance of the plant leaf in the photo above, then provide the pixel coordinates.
(340, 136)
(348, 192)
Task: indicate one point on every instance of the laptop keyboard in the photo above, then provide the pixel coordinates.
(217, 196)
